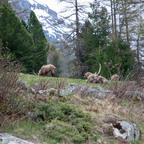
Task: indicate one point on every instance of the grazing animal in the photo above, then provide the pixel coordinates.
(87, 74)
(47, 69)
(95, 78)
(115, 77)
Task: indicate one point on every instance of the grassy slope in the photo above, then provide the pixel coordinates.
(66, 117)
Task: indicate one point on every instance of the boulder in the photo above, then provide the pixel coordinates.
(127, 130)
(46, 92)
(22, 84)
(9, 139)
(85, 90)
(70, 89)
(113, 125)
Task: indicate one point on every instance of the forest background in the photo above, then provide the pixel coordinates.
(112, 37)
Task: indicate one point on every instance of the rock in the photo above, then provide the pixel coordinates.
(9, 139)
(96, 92)
(33, 90)
(84, 90)
(139, 95)
(22, 84)
(70, 89)
(47, 92)
(136, 94)
(36, 86)
(127, 130)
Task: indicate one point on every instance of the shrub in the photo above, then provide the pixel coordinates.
(62, 131)
(11, 104)
(70, 120)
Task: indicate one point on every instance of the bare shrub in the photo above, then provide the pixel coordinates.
(57, 83)
(121, 89)
(126, 90)
(12, 104)
(112, 67)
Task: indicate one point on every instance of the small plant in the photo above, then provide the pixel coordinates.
(96, 138)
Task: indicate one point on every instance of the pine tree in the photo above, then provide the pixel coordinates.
(41, 43)
(120, 55)
(16, 38)
(101, 49)
(95, 32)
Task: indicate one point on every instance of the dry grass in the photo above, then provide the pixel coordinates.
(122, 106)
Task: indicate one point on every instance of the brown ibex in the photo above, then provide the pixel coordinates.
(49, 68)
(95, 78)
(115, 77)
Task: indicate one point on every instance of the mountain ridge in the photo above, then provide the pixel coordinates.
(47, 17)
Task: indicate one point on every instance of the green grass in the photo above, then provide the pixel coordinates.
(54, 123)
(31, 79)
(27, 130)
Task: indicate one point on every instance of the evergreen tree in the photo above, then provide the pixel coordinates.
(100, 49)
(120, 55)
(95, 32)
(16, 38)
(24, 24)
(41, 43)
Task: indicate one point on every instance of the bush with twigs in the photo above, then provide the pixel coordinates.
(12, 103)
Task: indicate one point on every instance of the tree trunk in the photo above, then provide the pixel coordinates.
(126, 20)
(77, 20)
(115, 21)
(112, 16)
(138, 60)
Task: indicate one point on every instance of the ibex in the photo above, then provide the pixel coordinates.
(95, 78)
(115, 77)
(47, 69)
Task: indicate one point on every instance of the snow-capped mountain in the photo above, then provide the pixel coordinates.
(47, 12)
(47, 17)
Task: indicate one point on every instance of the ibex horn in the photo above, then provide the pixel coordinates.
(99, 69)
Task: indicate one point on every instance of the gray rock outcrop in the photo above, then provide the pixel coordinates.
(115, 126)
(9, 139)
(22, 84)
(127, 130)
(84, 90)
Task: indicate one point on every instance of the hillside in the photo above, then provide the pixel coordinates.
(73, 118)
